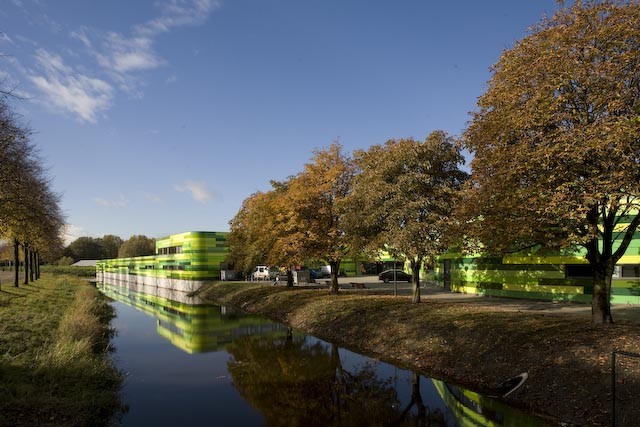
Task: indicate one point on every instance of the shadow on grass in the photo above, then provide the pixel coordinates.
(52, 396)
(8, 295)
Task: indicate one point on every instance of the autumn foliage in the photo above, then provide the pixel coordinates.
(403, 199)
(556, 141)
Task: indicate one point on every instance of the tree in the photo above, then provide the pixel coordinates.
(6, 253)
(403, 199)
(260, 232)
(137, 246)
(298, 220)
(86, 247)
(556, 141)
(250, 238)
(315, 223)
(111, 245)
(29, 211)
(269, 372)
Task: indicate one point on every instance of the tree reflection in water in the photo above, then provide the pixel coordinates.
(297, 382)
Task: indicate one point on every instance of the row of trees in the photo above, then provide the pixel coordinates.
(556, 164)
(397, 197)
(108, 246)
(30, 215)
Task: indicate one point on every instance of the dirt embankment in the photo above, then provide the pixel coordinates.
(473, 345)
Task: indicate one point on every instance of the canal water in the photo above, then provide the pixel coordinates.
(196, 363)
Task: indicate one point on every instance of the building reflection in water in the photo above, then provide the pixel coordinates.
(194, 328)
(295, 379)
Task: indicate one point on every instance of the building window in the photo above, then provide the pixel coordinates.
(631, 270)
(170, 250)
(578, 270)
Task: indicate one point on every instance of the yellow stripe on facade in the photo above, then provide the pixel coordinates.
(553, 289)
(558, 259)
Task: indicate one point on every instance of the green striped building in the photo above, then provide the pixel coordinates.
(182, 261)
(556, 276)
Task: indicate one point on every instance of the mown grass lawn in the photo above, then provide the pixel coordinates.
(54, 363)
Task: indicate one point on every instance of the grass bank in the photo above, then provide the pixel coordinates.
(474, 345)
(54, 364)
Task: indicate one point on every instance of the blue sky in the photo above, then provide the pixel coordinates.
(157, 117)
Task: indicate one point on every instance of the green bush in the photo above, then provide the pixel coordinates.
(65, 261)
(71, 271)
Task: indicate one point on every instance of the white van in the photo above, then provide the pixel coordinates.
(261, 273)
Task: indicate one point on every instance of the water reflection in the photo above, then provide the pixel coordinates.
(193, 328)
(295, 381)
(237, 369)
(473, 409)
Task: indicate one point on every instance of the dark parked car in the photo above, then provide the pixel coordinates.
(318, 273)
(387, 276)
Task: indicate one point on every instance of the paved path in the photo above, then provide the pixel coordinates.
(622, 313)
(6, 277)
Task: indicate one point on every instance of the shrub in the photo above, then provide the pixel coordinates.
(71, 271)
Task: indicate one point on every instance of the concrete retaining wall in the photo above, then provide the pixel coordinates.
(172, 289)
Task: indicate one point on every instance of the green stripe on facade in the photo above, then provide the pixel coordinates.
(202, 258)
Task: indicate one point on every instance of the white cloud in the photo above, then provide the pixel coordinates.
(119, 56)
(5, 38)
(70, 91)
(72, 232)
(123, 54)
(82, 36)
(51, 62)
(198, 190)
(177, 13)
(121, 202)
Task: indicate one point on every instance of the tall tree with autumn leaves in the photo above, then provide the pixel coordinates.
(261, 232)
(316, 219)
(556, 141)
(403, 199)
(299, 220)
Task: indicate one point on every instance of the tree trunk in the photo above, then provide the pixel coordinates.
(289, 341)
(601, 299)
(26, 264)
(335, 265)
(16, 262)
(31, 263)
(289, 277)
(340, 387)
(417, 399)
(415, 278)
(37, 265)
